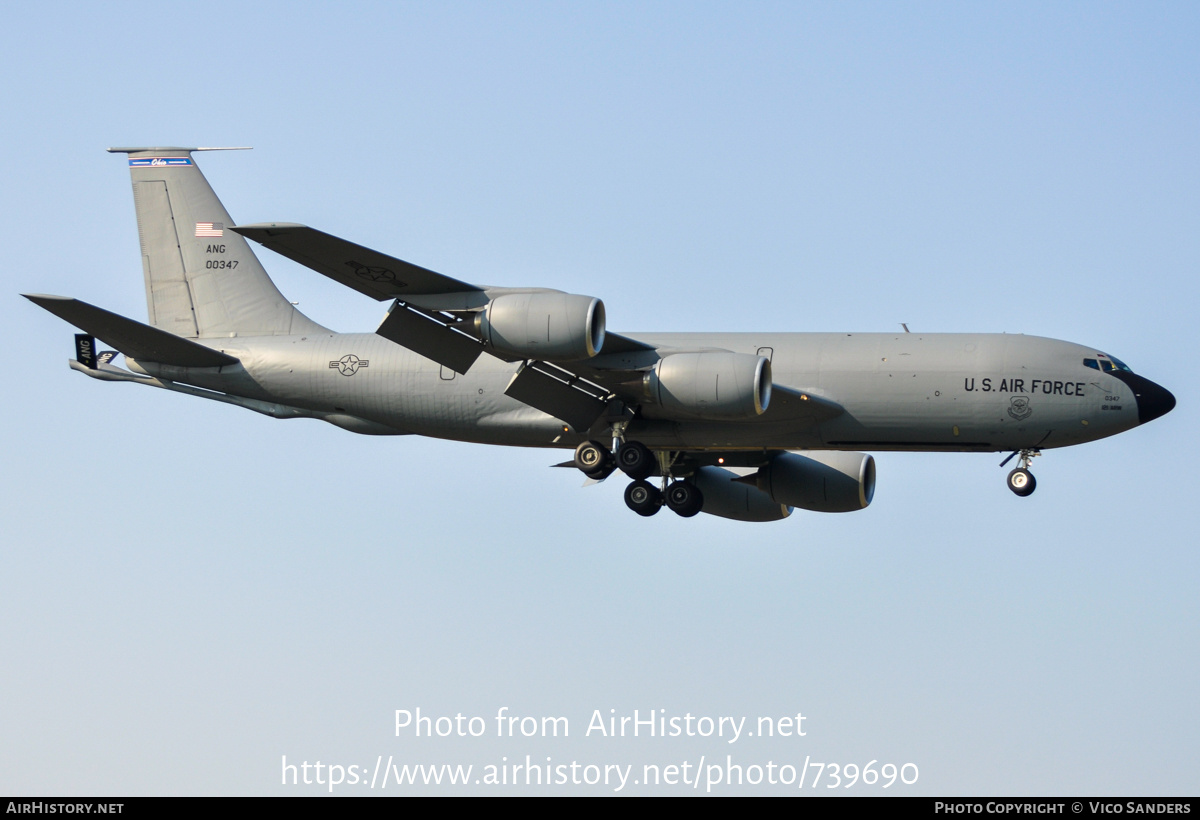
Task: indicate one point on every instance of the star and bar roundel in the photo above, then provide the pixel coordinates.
(349, 364)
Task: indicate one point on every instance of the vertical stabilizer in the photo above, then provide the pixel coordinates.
(202, 279)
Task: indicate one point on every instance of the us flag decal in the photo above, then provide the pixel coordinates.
(210, 229)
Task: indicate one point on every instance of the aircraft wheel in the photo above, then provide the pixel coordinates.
(1022, 482)
(643, 498)
(591, 457)
(635, 460)
(684, 498)
(602, 472)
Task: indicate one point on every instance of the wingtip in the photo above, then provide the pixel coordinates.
(38, 298)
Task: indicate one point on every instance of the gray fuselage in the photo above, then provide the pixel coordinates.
(906, 391)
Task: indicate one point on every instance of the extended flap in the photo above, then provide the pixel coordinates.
(559, 394)
(431, 338)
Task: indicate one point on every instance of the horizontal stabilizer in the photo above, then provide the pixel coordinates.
(174, 150)
(134, 339)
(369, 272)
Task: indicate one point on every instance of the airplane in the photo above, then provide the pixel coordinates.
(747, 426)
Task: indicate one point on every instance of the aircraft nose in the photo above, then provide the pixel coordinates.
(1152, 400)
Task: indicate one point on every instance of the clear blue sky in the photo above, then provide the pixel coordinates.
(189, 592)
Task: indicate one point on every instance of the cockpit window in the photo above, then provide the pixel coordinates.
(1107, 364)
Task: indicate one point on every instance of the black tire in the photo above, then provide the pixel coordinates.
(1022, 482)
(602, 472)
(635, 460)
(591, 457)
(643, 498)
(684, 498)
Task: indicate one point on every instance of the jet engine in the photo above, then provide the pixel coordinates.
(714, 384)
(821, 482)
(726, 497)
(554, 326)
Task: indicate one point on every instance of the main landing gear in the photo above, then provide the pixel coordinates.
(684, 498)
(643, 498)
(638, 462)
(1021, 480)
(594, 460)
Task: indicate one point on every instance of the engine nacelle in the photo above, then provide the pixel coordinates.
(714, 384)
(822, 482)
(560, 327)
(741, 502)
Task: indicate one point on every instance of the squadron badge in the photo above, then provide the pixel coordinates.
(1019, 408)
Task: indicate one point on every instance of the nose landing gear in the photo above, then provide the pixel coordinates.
(1021, 480)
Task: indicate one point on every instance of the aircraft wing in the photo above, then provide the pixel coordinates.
(369, 272)
(423, 319)
(419, 319)
(798, 407)
(580, 394)
(134, 339)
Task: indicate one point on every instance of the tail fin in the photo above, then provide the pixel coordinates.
(202, 279)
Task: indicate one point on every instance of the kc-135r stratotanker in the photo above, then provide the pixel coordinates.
(741, 425)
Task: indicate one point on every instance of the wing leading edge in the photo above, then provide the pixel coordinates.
(369, 272)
